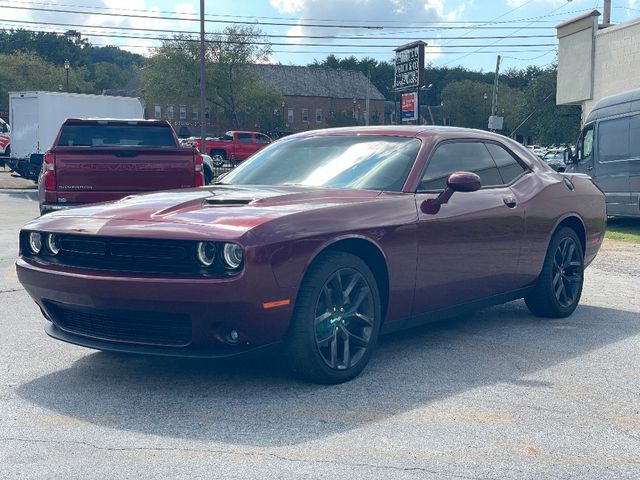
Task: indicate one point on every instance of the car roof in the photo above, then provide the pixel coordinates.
(417, 131)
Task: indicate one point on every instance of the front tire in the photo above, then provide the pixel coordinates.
(559, 287)
(336, 320)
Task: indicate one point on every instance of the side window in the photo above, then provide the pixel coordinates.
(262, 139)
(585, 144)
(509, 167)
(613, 140)
(634, 133)
(244, 137)
(459, 157)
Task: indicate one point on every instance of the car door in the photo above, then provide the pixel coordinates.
(470, 248)
(245, 145)
(611, 167)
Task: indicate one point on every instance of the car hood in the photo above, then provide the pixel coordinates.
(225, 210)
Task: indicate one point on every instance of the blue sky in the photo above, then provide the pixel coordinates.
(389, 23)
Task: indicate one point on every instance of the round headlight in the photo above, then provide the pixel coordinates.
(52, 244)
(35, 242)
(233, 255)
(206, 253)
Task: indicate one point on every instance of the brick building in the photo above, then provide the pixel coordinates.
(312, 96)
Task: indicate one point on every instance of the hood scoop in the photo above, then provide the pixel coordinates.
(228, 202)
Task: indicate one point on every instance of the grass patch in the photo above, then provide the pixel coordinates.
(626, 229)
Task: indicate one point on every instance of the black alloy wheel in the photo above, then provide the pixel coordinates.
(566, 272)
(559, 287)
(344, 319)
(336, 320)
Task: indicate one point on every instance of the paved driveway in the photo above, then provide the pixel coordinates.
(498, 394)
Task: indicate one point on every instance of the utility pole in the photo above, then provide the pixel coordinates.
(203, 131)
(367, 99)
(494, 97)
(606, 17)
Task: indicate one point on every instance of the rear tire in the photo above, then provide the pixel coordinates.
(558, 289)
(336, 320)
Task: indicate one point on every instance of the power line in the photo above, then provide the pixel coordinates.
(338, 37)
(435, 22)
(493, 43)
(237, 42)
(440, 25)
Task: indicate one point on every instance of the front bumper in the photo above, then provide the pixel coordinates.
(208, 305)
(221, 352)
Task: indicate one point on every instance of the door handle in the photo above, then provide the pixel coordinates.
(589, 168)
(510, 201)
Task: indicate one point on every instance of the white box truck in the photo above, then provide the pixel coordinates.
(36, 117)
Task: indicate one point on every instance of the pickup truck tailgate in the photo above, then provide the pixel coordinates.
(125, 169)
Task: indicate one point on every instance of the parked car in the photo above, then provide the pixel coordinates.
(234, 146)
(5, 139)
(555, 160)
(608, 150)
(320, 242)
(97, 160)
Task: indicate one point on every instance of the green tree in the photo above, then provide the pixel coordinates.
(28, 71)
(547, 122)
(244, 100)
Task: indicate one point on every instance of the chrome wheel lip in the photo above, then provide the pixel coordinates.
(567, 273)
(344, 319)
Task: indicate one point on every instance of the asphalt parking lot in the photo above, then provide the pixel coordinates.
(498, 394)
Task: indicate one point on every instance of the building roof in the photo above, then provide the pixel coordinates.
(302, 81)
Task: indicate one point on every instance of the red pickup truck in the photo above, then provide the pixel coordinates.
(234, 146)
(96, 160)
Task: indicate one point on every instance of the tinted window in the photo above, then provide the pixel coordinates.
(262, 139)
(372, 162)
(508, 166)
(244, 137)
(459, 157)
(613, 140)
(634, 137)
(97, 135)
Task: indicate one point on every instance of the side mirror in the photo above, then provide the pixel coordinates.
(568, 157)
(457, 182)
(463, 182)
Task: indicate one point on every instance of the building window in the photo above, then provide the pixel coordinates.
(170, 112)
(157, 112)
(183, 112)
(318, 115)
(290, 115)
(305, 115)
(195, 115)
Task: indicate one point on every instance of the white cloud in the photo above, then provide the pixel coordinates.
(375, 12)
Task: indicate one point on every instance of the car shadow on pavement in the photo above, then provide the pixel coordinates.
(257, 402)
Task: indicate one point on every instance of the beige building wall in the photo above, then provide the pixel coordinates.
(594, 63)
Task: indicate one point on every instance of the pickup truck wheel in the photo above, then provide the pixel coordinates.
(218, 153)
(336, 320)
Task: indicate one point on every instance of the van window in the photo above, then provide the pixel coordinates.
(613, 140)
(634, 132)
(585, 144)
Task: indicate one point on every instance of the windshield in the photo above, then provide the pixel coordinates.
(374, 162)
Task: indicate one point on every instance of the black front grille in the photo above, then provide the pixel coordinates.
(136, 255)
(149, 328)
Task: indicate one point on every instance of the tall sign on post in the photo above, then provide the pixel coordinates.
(409, 75)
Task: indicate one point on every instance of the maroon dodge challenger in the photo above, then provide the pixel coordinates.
(319, 242)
